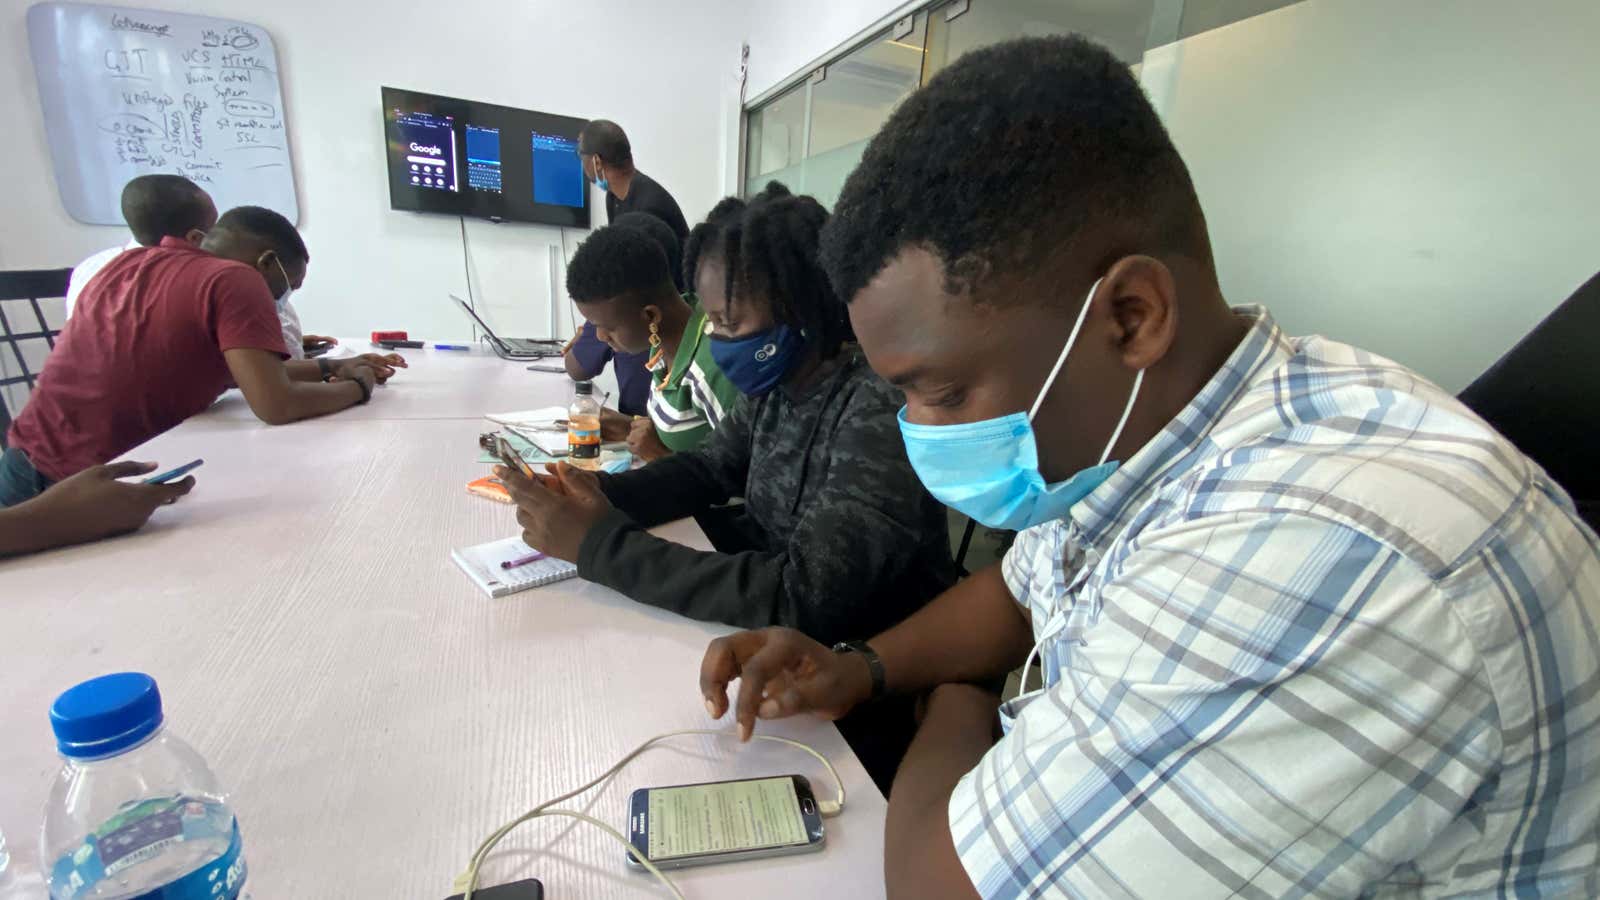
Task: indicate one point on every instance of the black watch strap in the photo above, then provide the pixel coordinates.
(874, 664)
(366, 392)
(325, 367)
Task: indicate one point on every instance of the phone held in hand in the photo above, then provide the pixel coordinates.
(171, 474)
(509, 456)
(724, 821)
(527, 889)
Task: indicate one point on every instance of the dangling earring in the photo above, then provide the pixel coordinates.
(655, 355)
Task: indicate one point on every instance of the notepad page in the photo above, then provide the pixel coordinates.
(481, 563)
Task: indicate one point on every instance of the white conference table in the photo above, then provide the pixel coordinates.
(440, 384)
(372, 714)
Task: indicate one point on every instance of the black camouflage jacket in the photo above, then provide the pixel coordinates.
(847, 542)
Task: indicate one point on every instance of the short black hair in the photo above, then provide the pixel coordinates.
(262, 225)
(1011, 154)
(662, 234)
(606, 139)
(617, 262)
(769, 245)
(158, 206)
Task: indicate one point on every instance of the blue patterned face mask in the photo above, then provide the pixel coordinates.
(989, 470)
(756, 364)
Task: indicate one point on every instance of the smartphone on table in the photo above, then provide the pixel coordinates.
(171, 474)
(723, 821)
(528, 889)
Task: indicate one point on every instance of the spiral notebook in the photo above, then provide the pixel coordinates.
(482, 565)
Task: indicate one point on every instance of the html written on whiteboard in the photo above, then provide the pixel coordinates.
(220, 121)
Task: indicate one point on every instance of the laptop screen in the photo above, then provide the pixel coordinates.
(476, 318)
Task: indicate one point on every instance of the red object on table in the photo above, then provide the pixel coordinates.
(389, 336)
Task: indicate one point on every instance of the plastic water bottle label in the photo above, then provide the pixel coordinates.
(150, 829)
(220, 879)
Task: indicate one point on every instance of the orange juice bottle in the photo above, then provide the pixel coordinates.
(583, 428)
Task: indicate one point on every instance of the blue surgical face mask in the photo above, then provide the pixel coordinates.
(989, 470)
(600, 181)
(756, 364)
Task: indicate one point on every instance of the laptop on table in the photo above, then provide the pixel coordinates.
(511, 348)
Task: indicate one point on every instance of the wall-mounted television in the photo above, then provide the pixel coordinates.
(465, 158)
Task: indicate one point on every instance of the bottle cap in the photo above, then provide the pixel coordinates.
(106, 715)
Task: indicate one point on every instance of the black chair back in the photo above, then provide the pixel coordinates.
(1544, 396)
(25, 329)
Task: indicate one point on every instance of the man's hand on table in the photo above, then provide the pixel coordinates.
(614, 426)
(644, 443)
(382, 365)
(781, 673)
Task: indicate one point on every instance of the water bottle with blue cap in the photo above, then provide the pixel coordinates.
(135, 811)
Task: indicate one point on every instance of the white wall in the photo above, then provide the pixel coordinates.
(1416, 178)
(786, 35)
(664, 78)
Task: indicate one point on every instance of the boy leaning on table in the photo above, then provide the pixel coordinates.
(1308, 625)
(159, 334)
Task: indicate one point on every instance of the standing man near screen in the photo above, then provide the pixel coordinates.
(608, 162)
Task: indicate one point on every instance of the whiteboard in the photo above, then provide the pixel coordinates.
(128, 92)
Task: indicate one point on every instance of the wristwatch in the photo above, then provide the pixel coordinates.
(325, 368)
(874, 664)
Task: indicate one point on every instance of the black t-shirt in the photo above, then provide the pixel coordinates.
(647, 196)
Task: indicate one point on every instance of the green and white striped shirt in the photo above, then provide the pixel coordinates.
(695, 395)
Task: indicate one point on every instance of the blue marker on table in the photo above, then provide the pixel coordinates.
(451, 347)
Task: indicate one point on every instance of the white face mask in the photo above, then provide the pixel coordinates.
(288, 286)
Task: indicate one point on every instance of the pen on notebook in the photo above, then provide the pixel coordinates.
(451, 347)
(522, 560)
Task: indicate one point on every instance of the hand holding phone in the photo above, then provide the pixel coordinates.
(171, 474)
(512, 459)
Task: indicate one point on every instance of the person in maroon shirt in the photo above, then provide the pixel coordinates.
(159, 334)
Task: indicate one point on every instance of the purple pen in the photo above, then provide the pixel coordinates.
(522, 561)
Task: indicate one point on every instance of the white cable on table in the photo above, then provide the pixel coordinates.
(467, 881)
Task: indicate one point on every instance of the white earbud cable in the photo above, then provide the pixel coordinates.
(1062, 359)
(467, 881)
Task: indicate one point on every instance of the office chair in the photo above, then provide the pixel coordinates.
(31, 285)
(1544, 396)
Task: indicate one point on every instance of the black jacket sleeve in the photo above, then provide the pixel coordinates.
(855, 543)
(677, 486)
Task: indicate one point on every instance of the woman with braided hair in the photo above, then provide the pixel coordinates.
(836, 537)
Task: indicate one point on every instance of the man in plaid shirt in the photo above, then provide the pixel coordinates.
(1308, 626)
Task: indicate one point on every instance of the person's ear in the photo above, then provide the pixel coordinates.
(652, 315)
(195, 236)
(1144, 309)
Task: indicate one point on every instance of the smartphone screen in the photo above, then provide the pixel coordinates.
(724, 817)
